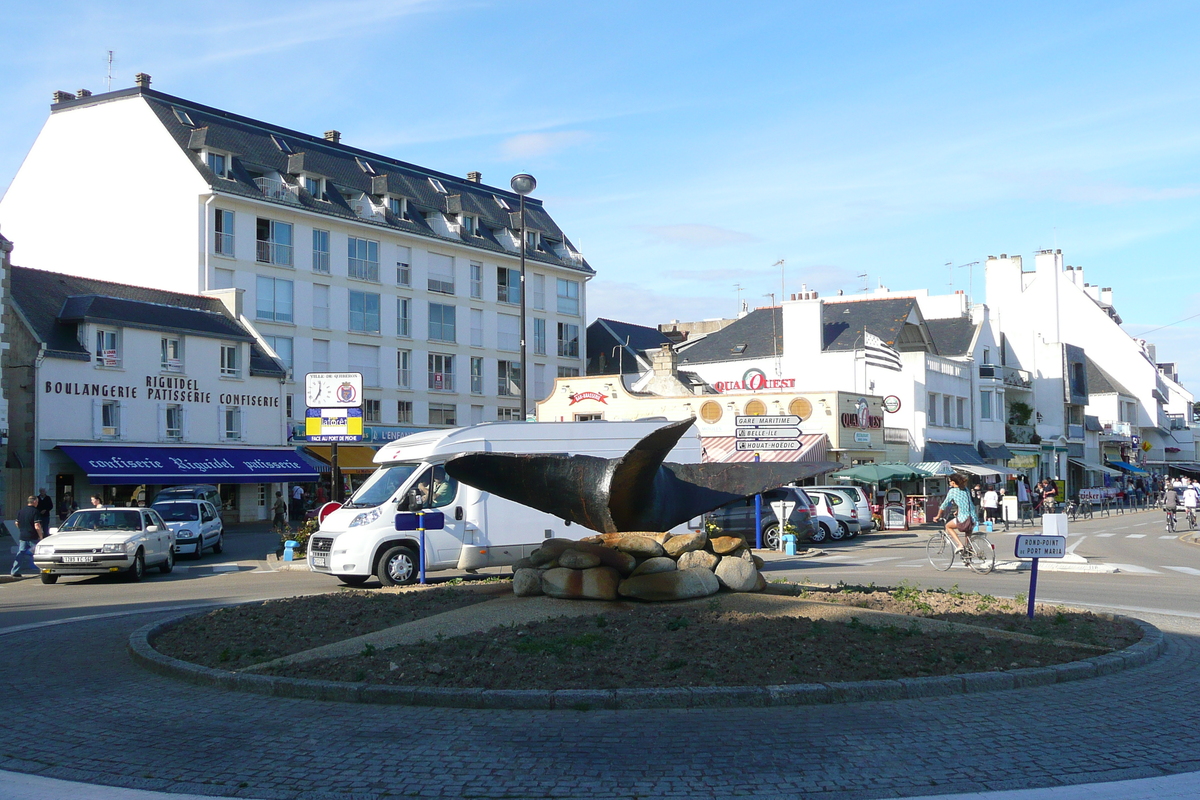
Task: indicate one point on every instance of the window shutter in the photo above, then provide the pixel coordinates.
(122, 423)
(97, 419)
(221, 423)
(185, 424)
(162, 422)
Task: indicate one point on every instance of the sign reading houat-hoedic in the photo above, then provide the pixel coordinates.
(766, 433)
(334, 401)
(752, 381)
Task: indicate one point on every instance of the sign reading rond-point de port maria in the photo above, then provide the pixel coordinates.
(334, 406)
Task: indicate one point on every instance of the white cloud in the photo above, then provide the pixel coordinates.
(697, 235)
(533, 145)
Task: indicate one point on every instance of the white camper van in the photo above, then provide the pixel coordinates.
(360, 539)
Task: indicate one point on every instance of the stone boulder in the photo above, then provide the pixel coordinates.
(684, 543)
(597, 583)
(578, 559)
(527, 582)
(682, 584)
(758, 562)
(639, 546)
(652, 566)
(724, 545)
(611, 539)
(551, 549)
(737, 575)
(522, 563)
(698, 558)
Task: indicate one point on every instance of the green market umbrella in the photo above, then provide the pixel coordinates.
(879, 473)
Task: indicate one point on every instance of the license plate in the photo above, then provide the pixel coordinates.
(77, 559)
(320, 561)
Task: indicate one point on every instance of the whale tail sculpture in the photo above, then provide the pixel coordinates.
(639, 491)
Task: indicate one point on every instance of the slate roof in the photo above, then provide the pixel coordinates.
(603, 335)
(255, 148)
(55, 304)
(1100, 382)
(844, 322)
(749, 337)
(952, 337)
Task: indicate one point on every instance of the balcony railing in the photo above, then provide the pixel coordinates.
(1021, 434)
(277, 189)
(1011, 376)
(1177, 422)
(274, 253)
(1122, 429)
(1074, 431)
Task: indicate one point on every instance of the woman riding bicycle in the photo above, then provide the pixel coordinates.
(1170, 502)
(966, 518)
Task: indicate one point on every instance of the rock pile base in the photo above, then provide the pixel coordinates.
(639, 566)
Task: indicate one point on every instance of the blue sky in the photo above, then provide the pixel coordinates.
(688, 147)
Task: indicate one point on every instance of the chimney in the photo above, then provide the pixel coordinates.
(663, 362)
(1106, 296)
(142, 80)
(82, 93)
(333, 136)
(475, 177)
(62, 97)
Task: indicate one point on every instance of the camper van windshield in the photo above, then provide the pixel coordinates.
(381, 486)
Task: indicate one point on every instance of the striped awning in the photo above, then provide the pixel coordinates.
(720, 449)
(933, 467)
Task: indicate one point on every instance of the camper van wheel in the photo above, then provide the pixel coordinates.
(353, 580)
(771, 537)
(397, 567)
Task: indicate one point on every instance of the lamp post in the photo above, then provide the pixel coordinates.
(523, 184)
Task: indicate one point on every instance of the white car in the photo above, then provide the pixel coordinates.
(843, 509)
(196, 524)
(103, 541)
(825, 524)
(861, 503)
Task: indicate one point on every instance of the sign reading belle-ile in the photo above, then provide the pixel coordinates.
(333, 390)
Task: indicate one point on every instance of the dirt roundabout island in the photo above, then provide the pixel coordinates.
(791, 634)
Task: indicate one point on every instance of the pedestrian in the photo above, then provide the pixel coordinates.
(280, 508)
(991, 504)
(67, 506)
(1049, 496)
(297, 502)
(29, 531)
(44, 506)
(322, 495)
(96, 501)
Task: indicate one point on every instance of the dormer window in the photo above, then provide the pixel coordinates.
(365, 166)
(218, 163)
(398, 206)
(281, 144)
(470, 224)
(531, 239)
(500, 201)
(437, 185)
(315, 186)
(183, 117)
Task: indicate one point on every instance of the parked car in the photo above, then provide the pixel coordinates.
(107, 540)
(737, 518)
(195, 491)
(825, 524)
(844, 511)
(862, 504)
(196, 523)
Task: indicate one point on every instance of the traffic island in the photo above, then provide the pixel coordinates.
(785, 646)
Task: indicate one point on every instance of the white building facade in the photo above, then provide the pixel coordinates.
(344, 260)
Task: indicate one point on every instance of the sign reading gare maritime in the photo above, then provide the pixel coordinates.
(158, 387)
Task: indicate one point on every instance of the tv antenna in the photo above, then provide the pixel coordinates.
(866, 286)
(738, 287)
(970, 266)
(110, 60)
(782, 281)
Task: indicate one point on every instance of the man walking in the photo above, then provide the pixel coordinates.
(29, 530)
(44, 506)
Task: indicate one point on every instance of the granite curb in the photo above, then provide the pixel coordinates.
(142, 651)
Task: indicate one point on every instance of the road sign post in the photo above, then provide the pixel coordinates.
(757, 434)
(1037, 547)
(333, 415)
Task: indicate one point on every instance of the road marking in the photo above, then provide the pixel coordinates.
(1136, 536)
(1184, 570)
(1136, 568)
(1168, 536)
(225, 568)
(1104, 535)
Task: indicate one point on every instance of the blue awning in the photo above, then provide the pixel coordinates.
(954, 453)
(1127, 467)
(171, 465)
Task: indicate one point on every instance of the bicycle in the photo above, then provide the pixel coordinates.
(1191, 518)
(1170, 520)
(978, 553)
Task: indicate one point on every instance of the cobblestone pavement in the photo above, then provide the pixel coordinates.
(92, 715)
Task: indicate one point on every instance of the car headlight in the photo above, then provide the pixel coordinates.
(184, 533)
(366, 518)
(119, 547)
(44, 550)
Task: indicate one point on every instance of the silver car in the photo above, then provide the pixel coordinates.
(196, 524)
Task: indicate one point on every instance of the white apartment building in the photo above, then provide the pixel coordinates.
(119, 390)
(343, 259)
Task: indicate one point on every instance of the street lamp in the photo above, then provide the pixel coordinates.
(523, 184)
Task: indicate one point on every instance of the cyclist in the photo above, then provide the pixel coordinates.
(1191, 499)
(1170, 502)
(965, 518)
